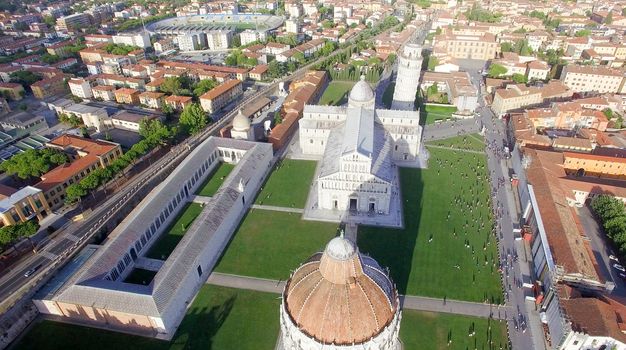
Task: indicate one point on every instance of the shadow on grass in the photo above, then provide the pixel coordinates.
(199, 326)
(394, 248)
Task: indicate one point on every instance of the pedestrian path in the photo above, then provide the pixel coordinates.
(476, 138)
(275, 208)
(409, 302)
(455, 149)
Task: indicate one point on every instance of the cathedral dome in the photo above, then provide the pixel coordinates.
(361, 94)
(341, 297)
(241, 122)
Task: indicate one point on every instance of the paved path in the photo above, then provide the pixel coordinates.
(456, 149)
(275, 208)
(408, 302)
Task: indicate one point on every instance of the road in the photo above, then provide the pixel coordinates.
(525, 332)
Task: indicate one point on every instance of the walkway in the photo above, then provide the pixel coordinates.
(275, 208)
(456, 149)
(408, 302)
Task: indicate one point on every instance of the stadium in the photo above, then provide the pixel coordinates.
(214, 22)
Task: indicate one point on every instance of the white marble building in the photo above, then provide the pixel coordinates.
(359, 147)
(407, 80)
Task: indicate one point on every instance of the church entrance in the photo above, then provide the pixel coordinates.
(353, 205)
(335, 204)
(372, 207)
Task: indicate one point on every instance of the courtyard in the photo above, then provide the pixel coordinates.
(271, 244)
(215, 180)
(288, 184)
(164, 246)
(336, 94)
(446, 248)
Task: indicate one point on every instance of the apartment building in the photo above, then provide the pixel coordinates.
(21, 206)
(467, 44)
(73, 22)
(80, 87)
(221, 95)
(152, 99)
(590, 78)
(518, 96)
(104, 92)
(87, 155)
(49, 86)
(141, 39)
(12, 91)
(178, 103)
(127, 95)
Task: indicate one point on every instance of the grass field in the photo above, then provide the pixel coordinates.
(432, 331)
(215, 179)
(388, 95)
(170, 238)
(270, 244)
(430, 114)
(288, 185)
(219, 319)
(448, 203)
(336, 93)
(473, 142)
(140, 276)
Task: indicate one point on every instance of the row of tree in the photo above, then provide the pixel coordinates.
(10, 234)
(154, 133)
(184, 86)
(611, 212)
(33, 162)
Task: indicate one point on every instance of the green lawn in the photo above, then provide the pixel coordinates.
(170, 238)
(420, 267)
(430, 114)
(474, 142)
(140, 276)
(288, 185)
(388, 95)
(271, 244)
(336, 93)
(219, 319)
(215, 179)
(432, 331)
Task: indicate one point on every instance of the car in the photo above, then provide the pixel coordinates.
(619, 267)
(613, 257)
(32, 271)
(622, 276)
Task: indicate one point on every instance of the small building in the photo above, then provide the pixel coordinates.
(151, 99)
(23, 120)
(104, 92)
(21, 206)
(259, 72)
(127, 95)
(178, 103)
(12, 91)
(130, 121)
(49, 86)
(221, 95)
(80, 88)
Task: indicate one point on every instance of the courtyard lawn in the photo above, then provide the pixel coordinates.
(388, 95)
(271, 244)
(430, 113)
(336, 93)
(215, 180)
(448, 203)
(473, 142)
(140, 276)
(288, 185)
(175, 232)
(427, 330)
(219, 319)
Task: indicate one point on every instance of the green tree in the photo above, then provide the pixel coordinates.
(24, 77)
(171, 85)
(193, 119)
(519, 78)
(506, 47)
(432, 62)
(73, 193)
(204, 86)
(582, 33)
(49, 20)
(70, 119)
(155, 132)
(609, 18)
(32, 163)
(496, 70)
(432, 90)
(299, 57)
(50, 59)
(608, 113)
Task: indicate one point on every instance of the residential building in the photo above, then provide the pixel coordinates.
(140, 39)
(178, 103)
(12, 91)
(151, 99)
(259, 72)
(221, 95)
(537, 70)
(87, 155)
(249, 36)
(104, 92)
(22, 205)
(519, 96)
(127, 95)
(130, 121)
(219, 39)
(49, 86)
(164, 45)
(588, 79)
(80, 87)
(596, 165)
(73, 22)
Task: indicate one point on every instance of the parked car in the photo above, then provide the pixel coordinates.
(619, 267)
(32, 271)
(613, 257)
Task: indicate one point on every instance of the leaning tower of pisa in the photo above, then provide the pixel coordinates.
(407, 80)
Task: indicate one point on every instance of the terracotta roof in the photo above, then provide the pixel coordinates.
(178, 99)
(220, 89)
(596, 318)
(340, 296)
(260, 69)
(594, 157)
(126, 91)
(151, 94)
(10, 85)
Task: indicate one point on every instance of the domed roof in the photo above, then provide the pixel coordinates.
(241, 122)
(340, 296)
(361, 91)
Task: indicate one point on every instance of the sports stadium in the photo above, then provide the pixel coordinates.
(212, 22)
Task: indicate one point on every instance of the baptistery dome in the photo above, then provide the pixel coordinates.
(342, 299)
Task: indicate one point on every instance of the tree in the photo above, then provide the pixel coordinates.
(432, 62)
(582, 33)
(624, 11)
(432, 90)
(73, 193)
(608, 113)
(609, 18)
(299, 56)
(49, 20)
(236, 42)
(204, 86)
(519, 78)
(50, 59)
(171, 85)
(25, 77)
(32, 162)
(506, 47)
(496, 70)
(70, 119)
(155, 132)
(193, 119)
(120, 49)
